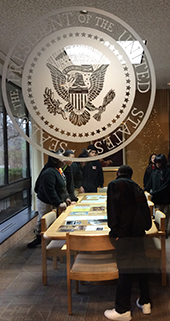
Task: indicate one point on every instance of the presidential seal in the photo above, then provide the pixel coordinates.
(80, 80)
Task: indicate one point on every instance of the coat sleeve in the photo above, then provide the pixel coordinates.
(148, 185)
(48, 181)
(112, 210)
(100, 175)
(77, 175)
(145, 215)
(70, 183)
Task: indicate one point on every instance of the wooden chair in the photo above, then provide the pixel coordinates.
(95, 260)
(52, 248)
(102, 189)
(151, 206)
(155, 246)
(148, 195)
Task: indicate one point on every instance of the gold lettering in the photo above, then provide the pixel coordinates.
(63, 145)
(139, 113)
(109, 143)
(104, 24)
(142, 75)
(125, 37)
(100, 149)
(124, 129)
(15, 99)
(120, 141)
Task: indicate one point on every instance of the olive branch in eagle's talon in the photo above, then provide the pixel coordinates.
(52, 104)
(107, 99)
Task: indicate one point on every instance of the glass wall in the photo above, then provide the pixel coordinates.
(17, 156)
(15, 181)
(2, 172)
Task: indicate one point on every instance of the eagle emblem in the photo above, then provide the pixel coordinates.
(78, 85)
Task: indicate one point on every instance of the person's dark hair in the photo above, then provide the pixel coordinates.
(59, 151)
(53, 161)
(150, 162)
(84, 153)
(160, 158)
(68, 152)
(92, 147)
(125, 170)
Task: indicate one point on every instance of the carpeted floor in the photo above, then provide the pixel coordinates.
(24, 298)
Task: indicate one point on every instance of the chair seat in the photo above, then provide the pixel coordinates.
(55, 244)
(93, 267)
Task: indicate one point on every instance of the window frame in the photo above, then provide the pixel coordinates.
(11, 188)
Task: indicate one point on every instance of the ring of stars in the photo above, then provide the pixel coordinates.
(39, 113)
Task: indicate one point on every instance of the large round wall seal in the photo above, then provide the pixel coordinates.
(81, 73)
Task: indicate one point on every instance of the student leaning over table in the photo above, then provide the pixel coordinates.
(51, 193)
(128, 218)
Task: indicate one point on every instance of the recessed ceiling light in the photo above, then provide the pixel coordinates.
(168, 83)
(84, 11)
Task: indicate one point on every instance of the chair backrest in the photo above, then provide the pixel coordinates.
(148, 195)
(88, 243)
(160, 220)
(48, 219)
(151, 205)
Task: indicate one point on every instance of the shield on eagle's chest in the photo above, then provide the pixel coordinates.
(78, 98)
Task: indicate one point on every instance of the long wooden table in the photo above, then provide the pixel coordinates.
(88, 216)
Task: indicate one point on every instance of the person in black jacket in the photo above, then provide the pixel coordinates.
(159, 187)
(67, 170)
(51, 193)
(77, 170)
(149, 169)
(92, 172)
(128, 218)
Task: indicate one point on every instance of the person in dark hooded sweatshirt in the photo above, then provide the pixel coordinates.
(149, 169)
(51, 193)
(92, 172)
(77, 170)
(128, 217)
(159, 187)
(67, 170)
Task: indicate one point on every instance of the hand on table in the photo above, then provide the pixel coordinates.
(81, 189)
(62, 206)
(68, 201)
(73, 203)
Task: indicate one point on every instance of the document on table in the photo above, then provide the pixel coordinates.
(79, 213)
(71, 228)
(94, 228)
(82, 208)
(84, 217)
(94, 201)
(96, 197)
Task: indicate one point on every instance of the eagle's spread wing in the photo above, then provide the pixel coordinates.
(59, 81)
(97, 80)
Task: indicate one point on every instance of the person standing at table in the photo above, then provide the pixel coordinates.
(159, 187)
(77, 170)
(51, 193)
(67, 170)
(149, 169)
(128, 218)
(92, 172)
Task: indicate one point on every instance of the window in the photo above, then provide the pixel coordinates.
(2, 169)
(15, 180)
